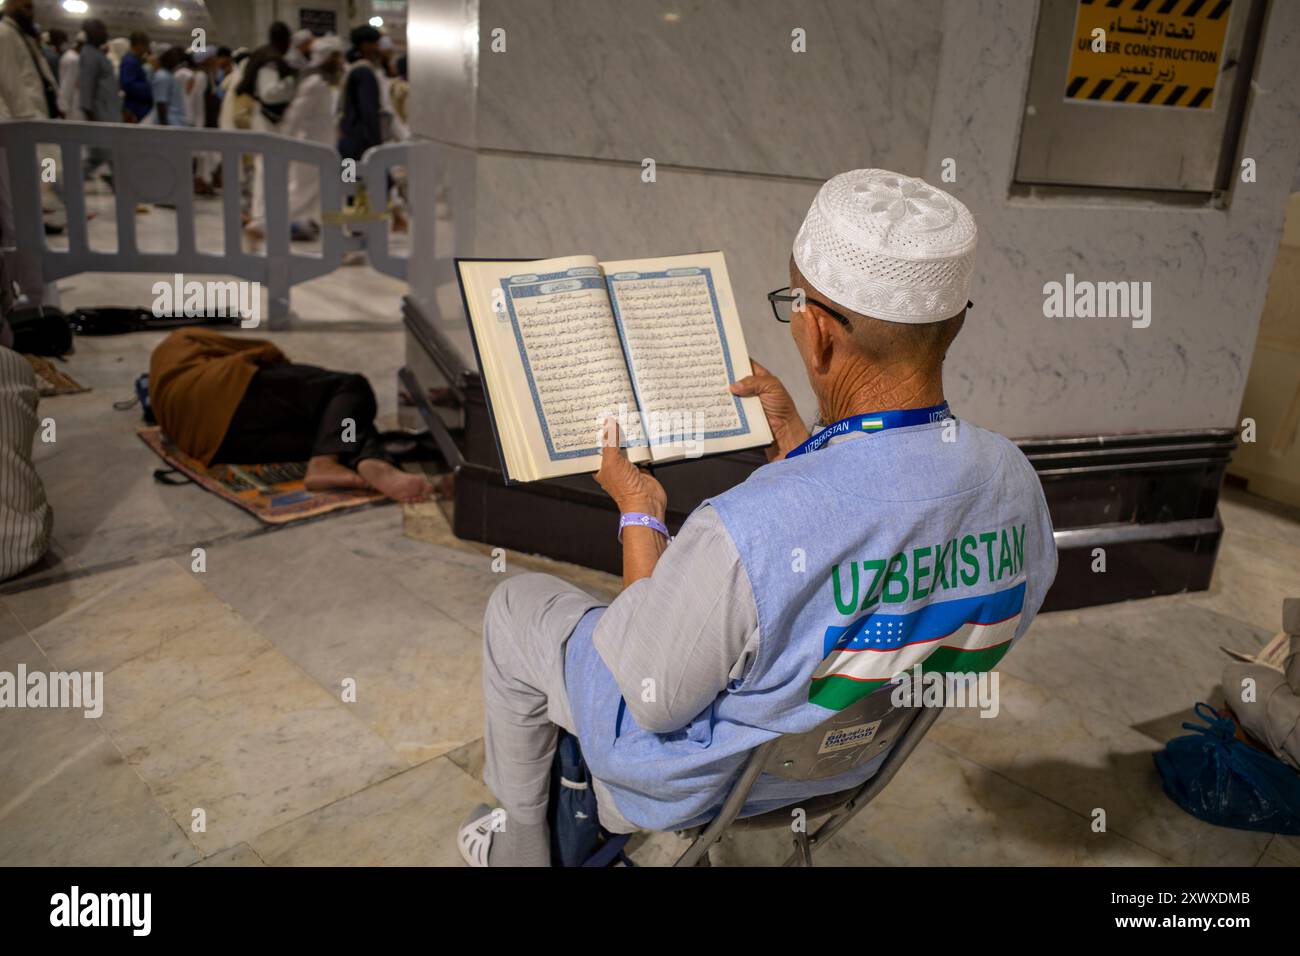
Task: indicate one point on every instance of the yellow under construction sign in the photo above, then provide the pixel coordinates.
(1154, 53)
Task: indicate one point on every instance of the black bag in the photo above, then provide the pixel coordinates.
(111, 320)
(577, 838)
(401, 446)
(40, 330)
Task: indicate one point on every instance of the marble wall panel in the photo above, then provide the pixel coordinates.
(712, 83)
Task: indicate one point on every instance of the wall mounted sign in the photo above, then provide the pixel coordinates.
(319, 22)
(1158, 53)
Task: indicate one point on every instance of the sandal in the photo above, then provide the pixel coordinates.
(475, 840)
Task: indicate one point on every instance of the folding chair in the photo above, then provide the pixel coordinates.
(836, 746)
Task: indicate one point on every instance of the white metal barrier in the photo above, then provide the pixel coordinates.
(153, 164)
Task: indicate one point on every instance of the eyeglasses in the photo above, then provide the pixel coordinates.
(783, 300)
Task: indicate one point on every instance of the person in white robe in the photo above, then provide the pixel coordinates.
(184, 74)
(300, 49)
(271, 82)
(70, 80)
(118, 47)
(226, 116)
(196, 106)
(311, 117)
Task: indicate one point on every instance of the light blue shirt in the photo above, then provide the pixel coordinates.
(167, 89)
(930, 543)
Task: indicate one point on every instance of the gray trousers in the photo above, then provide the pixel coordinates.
(528, 622)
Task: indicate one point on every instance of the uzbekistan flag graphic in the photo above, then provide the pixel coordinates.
(966, 635)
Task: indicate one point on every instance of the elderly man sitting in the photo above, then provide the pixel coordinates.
(922, 538)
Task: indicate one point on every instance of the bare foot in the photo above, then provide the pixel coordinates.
(399, 485)
(324, 473)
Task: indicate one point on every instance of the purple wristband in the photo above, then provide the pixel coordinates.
(637, 519)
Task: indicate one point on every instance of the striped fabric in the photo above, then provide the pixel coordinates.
(25, 515)
(967, 635)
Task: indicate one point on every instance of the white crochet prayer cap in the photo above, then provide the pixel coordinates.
(324, 47)
(888, 246)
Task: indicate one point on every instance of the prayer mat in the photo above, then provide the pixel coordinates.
(274, 494)
(52, 380)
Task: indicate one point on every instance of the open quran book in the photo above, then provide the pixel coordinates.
(564, 344)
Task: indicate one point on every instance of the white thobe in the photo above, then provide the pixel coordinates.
(272, 89)
(310, 117)
(70, 84)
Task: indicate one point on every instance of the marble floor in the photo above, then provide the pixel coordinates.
(225, 689)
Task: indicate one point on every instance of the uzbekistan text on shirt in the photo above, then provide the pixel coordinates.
(964, 633)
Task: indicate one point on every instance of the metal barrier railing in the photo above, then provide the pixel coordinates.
(153, 164)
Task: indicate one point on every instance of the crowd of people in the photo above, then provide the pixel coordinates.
(351, 96)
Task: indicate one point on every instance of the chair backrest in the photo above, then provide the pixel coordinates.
(860, 732)
(855, 735)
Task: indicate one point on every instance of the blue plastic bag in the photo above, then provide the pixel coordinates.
(1219, 779)
(142, 394)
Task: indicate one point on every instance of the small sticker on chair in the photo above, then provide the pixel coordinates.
(841, 738)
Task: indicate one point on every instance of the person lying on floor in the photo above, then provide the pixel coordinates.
(896, 535)
(230, 400)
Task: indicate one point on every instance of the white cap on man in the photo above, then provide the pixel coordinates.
(324, 48)
(888, 246)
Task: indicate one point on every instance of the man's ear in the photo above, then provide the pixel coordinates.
(821, 342)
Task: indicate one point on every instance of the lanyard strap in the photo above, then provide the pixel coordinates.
(877, 422)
